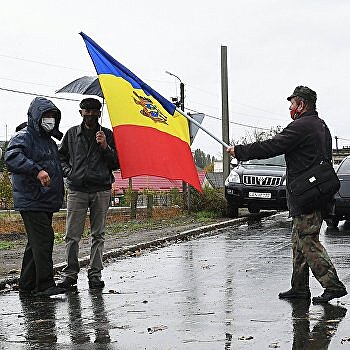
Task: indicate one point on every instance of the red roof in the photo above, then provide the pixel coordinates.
(149, 182)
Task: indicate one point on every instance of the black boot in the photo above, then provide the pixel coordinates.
(67, 282)
(295, 294)
(329, 295)
(96, 283)
(54, 290)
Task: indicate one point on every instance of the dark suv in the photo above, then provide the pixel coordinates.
(257, 184)
(341, 210)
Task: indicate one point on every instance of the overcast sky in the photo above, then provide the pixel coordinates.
(272, 45)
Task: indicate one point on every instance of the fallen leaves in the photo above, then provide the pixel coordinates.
(249, 337)
(344, 340)
(151, 330)
(112, 291)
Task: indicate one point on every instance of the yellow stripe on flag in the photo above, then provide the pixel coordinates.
(129, 106)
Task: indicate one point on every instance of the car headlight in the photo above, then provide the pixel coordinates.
(232, 178)
(284, 182)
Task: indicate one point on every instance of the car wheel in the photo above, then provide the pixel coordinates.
(332, 222)
(253, 210)
(232, 212)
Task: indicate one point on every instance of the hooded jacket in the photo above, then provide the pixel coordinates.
(31, 150)
(304, 142)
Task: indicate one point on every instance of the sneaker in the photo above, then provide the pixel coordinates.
(295, 294)
(96, 283)
(329, 295)
(54, 290)
(67, 282)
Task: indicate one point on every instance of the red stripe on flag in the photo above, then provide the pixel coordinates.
(148, 151)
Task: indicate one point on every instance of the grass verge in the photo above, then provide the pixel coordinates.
(116, 223)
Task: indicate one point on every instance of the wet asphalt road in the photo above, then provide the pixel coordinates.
(214, 292)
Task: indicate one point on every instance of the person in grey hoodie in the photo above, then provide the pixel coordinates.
(37, 180)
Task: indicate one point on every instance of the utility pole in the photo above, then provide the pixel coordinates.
(185, 186)
(337, 150)
(182, 96)
(336, 144)
(225, 113)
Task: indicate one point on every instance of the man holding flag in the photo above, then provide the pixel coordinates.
(88, 157)
(151, 137)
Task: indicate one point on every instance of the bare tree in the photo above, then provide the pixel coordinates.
(257, 135)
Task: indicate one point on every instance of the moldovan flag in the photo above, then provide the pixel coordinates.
(151, 136)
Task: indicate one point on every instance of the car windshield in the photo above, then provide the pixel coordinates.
(344, 168)
(274, 161)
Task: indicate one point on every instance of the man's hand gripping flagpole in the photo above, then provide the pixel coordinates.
(201, 127)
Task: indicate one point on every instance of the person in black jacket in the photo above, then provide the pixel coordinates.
(301, 142)
(88, 157)
(32, 157)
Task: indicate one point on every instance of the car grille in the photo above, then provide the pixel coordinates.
(262, 180)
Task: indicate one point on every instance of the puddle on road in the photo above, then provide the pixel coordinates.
(216, 292)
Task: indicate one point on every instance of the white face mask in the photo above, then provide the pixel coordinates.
(48, 124)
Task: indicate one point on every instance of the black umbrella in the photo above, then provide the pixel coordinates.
(85, 86)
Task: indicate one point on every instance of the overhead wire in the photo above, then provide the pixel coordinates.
(242, 113)
(71, 68)
(39, 95)
(25, 82)
(189, 109)
(239, 103)
(236, 123)
(75, 100)
(340, 138)
(42, 63)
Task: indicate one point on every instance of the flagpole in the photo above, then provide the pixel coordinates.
(202, 127)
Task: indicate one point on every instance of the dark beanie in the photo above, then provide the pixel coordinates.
(90, 103)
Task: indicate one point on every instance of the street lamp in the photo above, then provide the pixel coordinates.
(185, 187)
(182, 91)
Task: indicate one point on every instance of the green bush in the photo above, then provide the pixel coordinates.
(6, 192)
(210, 200)
(130, 195)
(176, 197)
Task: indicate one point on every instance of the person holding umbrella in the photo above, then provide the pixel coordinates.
(88, 157)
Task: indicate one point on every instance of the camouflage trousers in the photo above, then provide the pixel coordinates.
(308, 252)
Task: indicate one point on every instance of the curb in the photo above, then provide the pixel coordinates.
(199, 231)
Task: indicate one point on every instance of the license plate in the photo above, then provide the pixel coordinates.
(259, 195)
